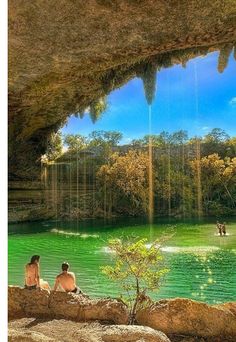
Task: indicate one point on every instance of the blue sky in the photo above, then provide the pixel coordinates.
(196, 98)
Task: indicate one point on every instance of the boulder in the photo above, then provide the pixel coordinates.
(187, 317)
(27, 336)
(22, 302)
(132, 333)
(42, 303)
(31, 330)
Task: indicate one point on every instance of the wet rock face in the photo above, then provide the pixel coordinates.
(41, 303)
(64, 55)
(188, 317)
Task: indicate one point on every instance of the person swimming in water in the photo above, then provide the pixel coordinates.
(218, 226)
(32, 275)
(223, 228)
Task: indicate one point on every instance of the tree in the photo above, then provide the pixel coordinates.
(215, 142)
(101, 138)
(138, 268)
(123, 183)
(75, 142)
(137, 143)
(161, 140)
(216, 135)
(218, 179)
(179, 137)
(54, 148)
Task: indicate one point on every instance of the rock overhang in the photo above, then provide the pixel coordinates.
(66, 55)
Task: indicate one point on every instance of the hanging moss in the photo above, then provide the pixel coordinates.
(164, 61)
(97, 108)
(224, 57)
(108, 81)
(81, 115)
(147, 72)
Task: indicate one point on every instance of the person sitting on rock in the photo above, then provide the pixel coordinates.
(32, 273)
(32, 277)
(65, 281)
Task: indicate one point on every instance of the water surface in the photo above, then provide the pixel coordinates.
(202, 264)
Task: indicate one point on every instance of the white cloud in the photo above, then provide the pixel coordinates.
(232, 102)
(126, 140)
(205, 128)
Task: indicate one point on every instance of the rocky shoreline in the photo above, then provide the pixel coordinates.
(42, 316)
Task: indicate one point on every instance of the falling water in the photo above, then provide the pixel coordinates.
(169, 183)
(85, 185)
(199, 185)
(93, 185)
(183, 185)
(44, 183)
(54, 182)
(150, 168)
(77, 185)
(105, 199)
(169, 147)
(198, 148)
(70, 189)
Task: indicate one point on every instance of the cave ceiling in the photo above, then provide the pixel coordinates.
(65, 55)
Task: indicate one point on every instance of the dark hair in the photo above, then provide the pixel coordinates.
(65, 266)
(34, 258)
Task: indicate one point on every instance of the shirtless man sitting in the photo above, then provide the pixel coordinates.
(65, 281)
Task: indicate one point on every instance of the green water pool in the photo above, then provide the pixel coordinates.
(202, 264)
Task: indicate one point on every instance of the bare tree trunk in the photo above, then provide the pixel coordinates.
(133, 311)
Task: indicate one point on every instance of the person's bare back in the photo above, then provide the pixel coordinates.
(65, 281)
(32, 275)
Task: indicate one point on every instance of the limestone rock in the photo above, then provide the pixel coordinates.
(132, 334)
(22, 302)
(31, 330)
(42, 303)
(63, 58)
(191, 318)
(28, 336)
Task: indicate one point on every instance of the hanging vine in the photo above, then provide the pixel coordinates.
(97, 108)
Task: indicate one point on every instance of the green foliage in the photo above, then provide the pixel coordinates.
(218, 182)
(163, 139)
(54, 148)
(137, 268)
(101, 138)
(75, 142)
(217, 135)
(148, 75)
(123, 183)
(215, 142)
(97, 108)
(121, 178)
